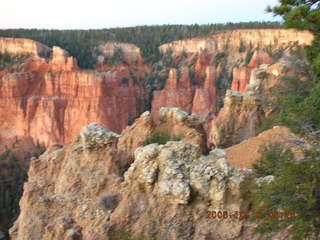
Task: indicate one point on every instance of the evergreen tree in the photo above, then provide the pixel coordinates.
(296, 185)
(301, 109)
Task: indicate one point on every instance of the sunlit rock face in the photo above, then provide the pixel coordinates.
(237, 38)
(248, 62)
(242, 113)
(17, 46)
(50, 99)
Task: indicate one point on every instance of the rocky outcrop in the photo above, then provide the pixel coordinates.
(229, 59)
(248, 152)
(135, 135)
(179, 124)
(177, 168)
(65, 187)
(51, 99)
(55, 106)
(15, 46)
(240, 38)
(178, 92)
(105, 186)
(48, 93)
(78, 192)
(205, 98)
(61, 61)
(131, 53)
(181, 93)
(237, 120)
(241, 115)
(172, 121)
(241, 75)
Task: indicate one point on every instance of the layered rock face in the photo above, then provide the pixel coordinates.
(178, 92)
(218, 63)
(108, 186)
(181, 93)
(241, 115)
(51, 100)
(241, 75)
(61, 61)
(237, 38)
(79, 192)
(53, 108)
(17, 46)
(237, 120)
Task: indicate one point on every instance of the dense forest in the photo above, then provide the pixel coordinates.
(81, 43)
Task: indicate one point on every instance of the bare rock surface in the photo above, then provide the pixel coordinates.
(248, 152)
(172, 121)
(78, 193)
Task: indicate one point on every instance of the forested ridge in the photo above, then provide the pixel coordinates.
(81, 43)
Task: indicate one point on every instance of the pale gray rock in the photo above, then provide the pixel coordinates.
(177, 170)
(267, 179)
(95, 136)
(169, 114)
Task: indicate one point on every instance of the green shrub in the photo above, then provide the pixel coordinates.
(12, 62)
(220, 57)
(168, 58)
(248, 57)
(295, 189)
(274, 158)
(117, 57)
(161, 138)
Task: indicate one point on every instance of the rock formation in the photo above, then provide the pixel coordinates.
(205, 98)
(51, 100)
(173, 121)
(241, 115)
(237, 120)
(131, 53)
(181, 93)
(247, 152)
(178, 92)
(240, 38)
(79, 192)
(105, 186)
(220, 62)
(17, 46)
(241, 75)
(61, 61)
(66, 101)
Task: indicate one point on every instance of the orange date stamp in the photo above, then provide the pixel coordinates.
(241, 215)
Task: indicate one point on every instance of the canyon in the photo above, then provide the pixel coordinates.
(89, 189)
(98, 179)
(50, 99)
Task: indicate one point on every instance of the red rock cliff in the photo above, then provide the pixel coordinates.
(181, 93)
(52, 100)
